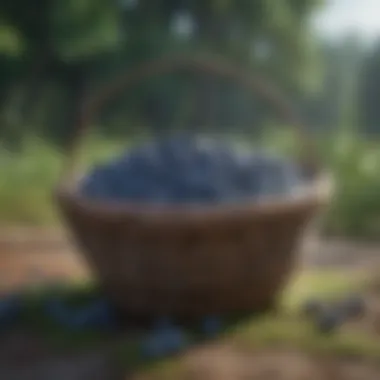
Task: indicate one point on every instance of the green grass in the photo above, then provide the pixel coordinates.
(355, 164)
(28, 179)
(289, 329)
(290, 332)
(326, 284)
(284, 329)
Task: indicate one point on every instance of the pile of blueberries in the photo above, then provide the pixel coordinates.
(184, 168)
(97, 314)
(164, 338)
(328, 317)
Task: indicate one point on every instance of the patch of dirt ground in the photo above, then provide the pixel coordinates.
(27, 256)
(227, 363)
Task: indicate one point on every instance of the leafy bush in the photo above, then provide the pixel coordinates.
(27, 180)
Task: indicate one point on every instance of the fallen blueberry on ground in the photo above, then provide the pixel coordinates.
(175, 340)
(102, 315)
(211, 326)
(10, 309)
(354, 306)
(163, 342)
(329, 320)
(96, 315)
(153, 346)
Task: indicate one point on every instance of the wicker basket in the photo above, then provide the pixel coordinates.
(189, 262)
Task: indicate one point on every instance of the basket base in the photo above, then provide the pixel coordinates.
(129, 318)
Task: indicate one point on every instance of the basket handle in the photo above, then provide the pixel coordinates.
(213, 65)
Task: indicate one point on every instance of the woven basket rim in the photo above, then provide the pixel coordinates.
(202, 62)
(317, 192)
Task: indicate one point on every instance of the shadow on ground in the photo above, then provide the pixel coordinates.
(32, 257)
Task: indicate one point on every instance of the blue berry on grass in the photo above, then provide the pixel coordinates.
(211, 326)
(329, 321)
(354, 306)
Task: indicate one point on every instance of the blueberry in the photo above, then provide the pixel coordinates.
(163, 342)
(271, 178)
(78, 319)
(153, 347)
(98, 314)
(186, 169)
(10, 308)
(176, 150)
(354, 306)
(96, 184)
(175, 340)
(212, 326)
(58, 311)
(102, 314)
(328, 321)
(248, 178)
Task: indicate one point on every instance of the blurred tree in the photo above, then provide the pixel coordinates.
(76, 45)
(61, 38)
(268, 36)
(337, 104)
(369, 95)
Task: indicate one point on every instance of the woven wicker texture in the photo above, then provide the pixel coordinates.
(190, 262)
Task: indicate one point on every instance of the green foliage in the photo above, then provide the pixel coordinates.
(27, 180)
(75, 45)
(369, 112)
(356, 208)
(11, 43)
(84, 29)
(355, 164)
(59, 52)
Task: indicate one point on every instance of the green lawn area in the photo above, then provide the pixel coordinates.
(28, 179)
(286, 328)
